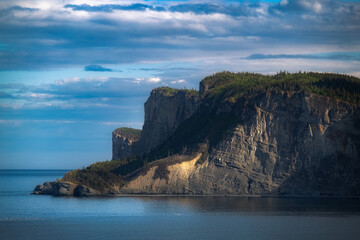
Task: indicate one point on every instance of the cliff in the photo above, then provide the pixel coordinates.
(282, 144)
(123, 142)
(165, 109)
(244, 134)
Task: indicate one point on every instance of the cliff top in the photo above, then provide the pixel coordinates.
(128, 132)
(233, 85)
(167, 91)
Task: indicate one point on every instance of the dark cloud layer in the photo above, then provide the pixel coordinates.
(116, 34)
(5, 95)
(204, 8)
(111, 7)
(11, 10)
(328, 56)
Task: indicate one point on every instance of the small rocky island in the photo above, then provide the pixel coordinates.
(241, 134)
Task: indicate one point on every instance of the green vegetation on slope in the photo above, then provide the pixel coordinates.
(98, 175)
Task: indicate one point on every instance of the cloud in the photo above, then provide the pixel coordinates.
(111, 7)
(72, 104)
(196, 8)
(346, 56)
(13, 9)
(5, 95)
(104, 34)
(77, 80)
(97, 87)
(154, 80)
(301, 6)
(97, 68)
(75, 93)
(178, 81)
(227, 9)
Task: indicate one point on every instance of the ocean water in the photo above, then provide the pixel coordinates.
(26, 216)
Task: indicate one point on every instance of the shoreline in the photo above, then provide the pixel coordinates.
(146, 195)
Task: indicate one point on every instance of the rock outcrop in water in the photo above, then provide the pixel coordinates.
(243, 134)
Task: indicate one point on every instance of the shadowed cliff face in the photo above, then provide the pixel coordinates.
(284, 143)
(163, 114)
(165, 109)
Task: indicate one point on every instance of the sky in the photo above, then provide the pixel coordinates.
(72, 71)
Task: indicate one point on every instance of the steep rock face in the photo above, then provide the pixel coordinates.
(293, 144)
(123, 141)
(164, 111)
(283, 143)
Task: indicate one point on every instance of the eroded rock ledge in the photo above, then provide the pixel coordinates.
(65, 189)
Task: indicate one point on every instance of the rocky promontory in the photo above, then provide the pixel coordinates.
(60, 188)
(241, 134)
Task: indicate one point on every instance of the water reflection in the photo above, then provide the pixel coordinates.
(255, 204)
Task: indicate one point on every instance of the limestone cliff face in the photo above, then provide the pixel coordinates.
(164, 111)
(283, 143)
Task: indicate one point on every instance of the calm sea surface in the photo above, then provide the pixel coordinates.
(26, 216)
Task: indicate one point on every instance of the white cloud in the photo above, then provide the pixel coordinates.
(41, 95)
(178, 81)
(138, 80)
(284, 2)
(154, 80)
(65, 81)
(313, 5)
